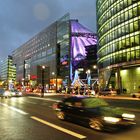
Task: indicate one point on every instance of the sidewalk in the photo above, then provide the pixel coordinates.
(121, 96)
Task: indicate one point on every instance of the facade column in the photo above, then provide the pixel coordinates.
(118, 81)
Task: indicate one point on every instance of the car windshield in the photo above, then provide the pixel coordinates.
(14, 90)
(94, 102)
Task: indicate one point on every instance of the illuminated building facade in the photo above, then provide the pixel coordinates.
(61, 48)
(118, 24)
(8, 71)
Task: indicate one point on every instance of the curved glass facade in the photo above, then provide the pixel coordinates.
(118, 24)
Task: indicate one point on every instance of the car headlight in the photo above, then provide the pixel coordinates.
(20, 93)
(13, 93)
(6, 93)
(131, 116)
(111, 119)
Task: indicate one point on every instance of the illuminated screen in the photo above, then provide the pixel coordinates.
(81, 37)
(83, 41)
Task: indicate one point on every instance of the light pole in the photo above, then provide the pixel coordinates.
(55, 78)
(42, 82)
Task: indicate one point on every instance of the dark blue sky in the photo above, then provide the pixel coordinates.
(22, 19)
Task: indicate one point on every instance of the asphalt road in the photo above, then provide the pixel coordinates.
(32, 118)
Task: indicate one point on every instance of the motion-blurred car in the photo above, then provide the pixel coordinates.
(136, 95)
(108, 92)
(15, 93)
(94, 112)
(5, 93)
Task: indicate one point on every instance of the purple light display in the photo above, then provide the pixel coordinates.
(81, 37)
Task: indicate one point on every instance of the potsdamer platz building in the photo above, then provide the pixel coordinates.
(118, 24)
(63, 47)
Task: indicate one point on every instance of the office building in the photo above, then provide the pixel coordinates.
(118, 23)
(62, 48)
(8, 71)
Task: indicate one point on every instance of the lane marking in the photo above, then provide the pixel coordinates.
(59, 128)
(15, 109)
(47, 99)
(30, 102)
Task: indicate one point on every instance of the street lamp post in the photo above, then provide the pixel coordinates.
(42, 82)
(55, 78)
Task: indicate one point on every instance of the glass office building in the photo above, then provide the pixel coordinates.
(60, 47)
(31, 56)
(118, 24)
(8, 71)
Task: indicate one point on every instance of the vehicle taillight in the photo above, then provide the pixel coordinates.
(55, 105)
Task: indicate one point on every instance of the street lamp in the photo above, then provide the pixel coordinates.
(54, 76)
(42, 82)
(23, 82)
(94, 66)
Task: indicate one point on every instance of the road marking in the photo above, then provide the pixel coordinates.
(47, 99)
(22, 101)
(15, 109)
(30, 102)
(59, 128)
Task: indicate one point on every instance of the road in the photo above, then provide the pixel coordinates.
(32, 118)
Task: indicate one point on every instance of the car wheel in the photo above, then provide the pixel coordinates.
(96, 124)
(60, 115)
(134, 96)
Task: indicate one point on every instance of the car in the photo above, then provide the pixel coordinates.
(108, 92)
(5, 93)
(16, 93)
(136, 95)
(93, 112)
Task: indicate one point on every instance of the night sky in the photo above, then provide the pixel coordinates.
(20, 20)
